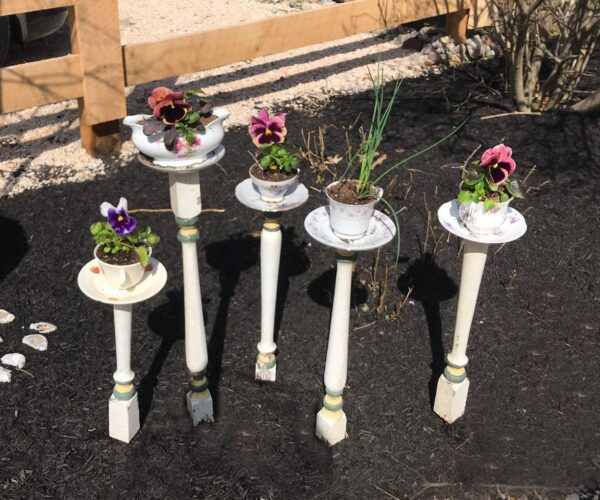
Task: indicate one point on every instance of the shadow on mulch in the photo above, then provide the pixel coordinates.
(429, 284)
(13, 245)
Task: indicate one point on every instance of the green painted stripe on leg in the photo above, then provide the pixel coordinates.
(192, 221)
(331, 407)
(455, 379)
(124, 396)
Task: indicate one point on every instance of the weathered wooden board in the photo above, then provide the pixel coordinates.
(41, 82)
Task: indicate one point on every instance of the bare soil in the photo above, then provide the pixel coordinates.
(270, 175)
(346, 192)
(118, 259)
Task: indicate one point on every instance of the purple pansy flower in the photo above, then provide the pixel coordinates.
(499, 163)
(267, 130)
(118, 218)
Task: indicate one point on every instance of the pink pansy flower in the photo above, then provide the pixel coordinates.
(167, 105)
(266, 130)
(179, 145)
(499, 163)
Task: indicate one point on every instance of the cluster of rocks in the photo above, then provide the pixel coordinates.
(36, 341)
(441, 49)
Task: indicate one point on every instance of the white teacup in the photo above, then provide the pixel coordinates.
(121, 277)
(481, 221)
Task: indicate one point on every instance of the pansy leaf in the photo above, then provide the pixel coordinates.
(492, 186)
(192, 117)
(489, 204)
(464, 196)
(170, 136)
(152, 127)
(143, 255)
(504, 197)
(265, 161)
(472, 176)
(514, 188)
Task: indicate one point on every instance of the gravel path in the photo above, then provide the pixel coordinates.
(40, 146)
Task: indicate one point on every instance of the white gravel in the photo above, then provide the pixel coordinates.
(40, 146)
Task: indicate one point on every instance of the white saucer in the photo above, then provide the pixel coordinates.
(513, 228)
(184, 164)
(381, 231)
(95, 286)
(248, 195)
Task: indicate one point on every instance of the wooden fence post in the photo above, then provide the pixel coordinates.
(95, 36)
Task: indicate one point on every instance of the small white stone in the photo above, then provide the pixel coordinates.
(5, 375)
(14, 359)
(36, 341)
(6, 317)
(1, 340)
(43, 327)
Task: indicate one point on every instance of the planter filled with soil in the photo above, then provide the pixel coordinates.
(272, 185)
(349, 213)
(204, 143)
(122, 270)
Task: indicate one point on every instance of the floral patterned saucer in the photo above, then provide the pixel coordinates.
(512, 229)
(248, 195)
(381, 231)
(183, 164)
(92, 283)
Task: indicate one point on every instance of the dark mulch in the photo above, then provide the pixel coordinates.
(532, 421)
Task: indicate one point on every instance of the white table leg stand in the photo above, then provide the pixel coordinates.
(186, 205)
(331, 419)
(453, 385)
(270, 253)
(123, 409)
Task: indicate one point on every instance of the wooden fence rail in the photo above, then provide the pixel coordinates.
(99, 67)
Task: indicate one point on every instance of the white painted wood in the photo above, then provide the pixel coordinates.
(123, 418)
(331, 427)
(474, 257)
(451, 399)
(201, 410)
(270, 254)
(336, 365)
(451, 396)
(196, 354)
(265, 373)
(122, 316)
(186, 200)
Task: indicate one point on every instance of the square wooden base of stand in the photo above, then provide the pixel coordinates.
(331, 426)
(451, 399)
(264, 373)
(123, 418)
(200, 409)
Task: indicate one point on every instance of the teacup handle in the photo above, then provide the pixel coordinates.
(122, 278)
(470, 211)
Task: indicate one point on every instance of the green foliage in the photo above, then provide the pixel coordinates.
(476, 187)
(367, 152)
(275, 157)
(138, 241)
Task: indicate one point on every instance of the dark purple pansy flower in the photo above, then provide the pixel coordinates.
(118, 218)
(266, 130)
(167, 105)
(499, 163)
